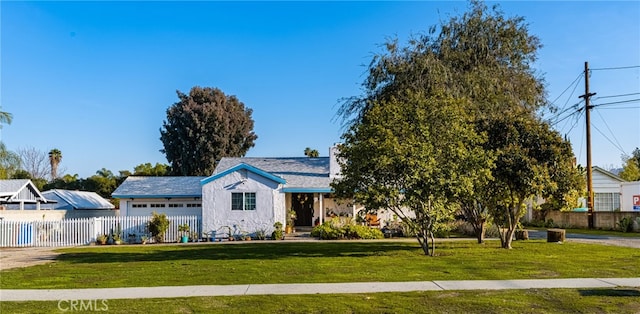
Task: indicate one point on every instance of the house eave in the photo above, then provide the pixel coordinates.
(307, 190)
(156, 196)
(243, 166)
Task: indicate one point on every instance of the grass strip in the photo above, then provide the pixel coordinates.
(619, 300)
(300, 262)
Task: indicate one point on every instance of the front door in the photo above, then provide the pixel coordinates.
(303, 206)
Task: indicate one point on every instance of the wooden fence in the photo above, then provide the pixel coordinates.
(83, 231)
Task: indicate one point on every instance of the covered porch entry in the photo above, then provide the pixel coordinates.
(314, 207)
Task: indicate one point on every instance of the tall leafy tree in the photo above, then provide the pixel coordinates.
(631, 167)
(531, 160)
(479, 63)
(411, 155)
(55, 157)
(203, 127)
(9, 162)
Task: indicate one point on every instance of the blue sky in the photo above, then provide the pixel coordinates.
(94, 79)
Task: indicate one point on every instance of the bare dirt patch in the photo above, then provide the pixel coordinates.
(24, 257)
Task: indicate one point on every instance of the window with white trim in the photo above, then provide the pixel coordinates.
(158, 205)
(243, 201)
(606, 202)
(138, 205)
(175, 205)
(193, 205)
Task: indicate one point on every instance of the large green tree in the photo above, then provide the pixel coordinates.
(203, 127)
(412, 155)
(631, 167)
(531, 160)
(480, 64)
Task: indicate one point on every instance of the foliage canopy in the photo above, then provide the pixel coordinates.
(440, 120)
(203, 127)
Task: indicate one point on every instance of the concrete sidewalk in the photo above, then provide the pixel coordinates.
(308, 288)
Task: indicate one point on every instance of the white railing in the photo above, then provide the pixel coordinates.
(82, 231)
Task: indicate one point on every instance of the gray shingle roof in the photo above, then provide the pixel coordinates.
(11, 187)
(77, 199)
(299, 172)
(14, 189)
(159, 187)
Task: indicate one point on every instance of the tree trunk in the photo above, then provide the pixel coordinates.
(480, 231)
(506, 237)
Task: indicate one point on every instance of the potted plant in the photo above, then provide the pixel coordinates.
(158, 226)
(117, 239)
(291, 218)
(102, 239)
(184, 230)
(277, 234)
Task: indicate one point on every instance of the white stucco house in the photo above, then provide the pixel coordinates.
(252, 194)
(246, 194)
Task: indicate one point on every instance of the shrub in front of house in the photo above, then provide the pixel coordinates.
(329, 230)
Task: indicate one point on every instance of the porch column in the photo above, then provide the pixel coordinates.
(353, 214)
(21, 205)
(321, 197)
(37, 205)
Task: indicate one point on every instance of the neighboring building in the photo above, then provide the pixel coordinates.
(174, 196)
(75, 200)
(15, 194)
(630, 196)
(606, 188)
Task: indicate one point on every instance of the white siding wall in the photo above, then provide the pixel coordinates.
(605, 184)
(216, 198)
(127, 207)
(607, 192)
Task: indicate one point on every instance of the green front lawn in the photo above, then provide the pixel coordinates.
(504, 301)
(297, 262)
(607, 233)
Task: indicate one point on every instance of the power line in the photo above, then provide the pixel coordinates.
(617, 108)
(576, 121)
(557, 117)
(566, 89)
(608, 128)
(617, 102)
(612, 143)
(612, 96)
(616, 68)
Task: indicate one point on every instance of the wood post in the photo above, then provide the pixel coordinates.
(555, 235)
(522, 235)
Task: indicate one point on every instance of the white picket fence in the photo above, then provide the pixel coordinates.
(83, 231)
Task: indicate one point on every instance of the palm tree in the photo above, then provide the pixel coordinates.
(55, 156)
(5, 118)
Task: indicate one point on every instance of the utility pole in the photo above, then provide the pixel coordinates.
(587, 109)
